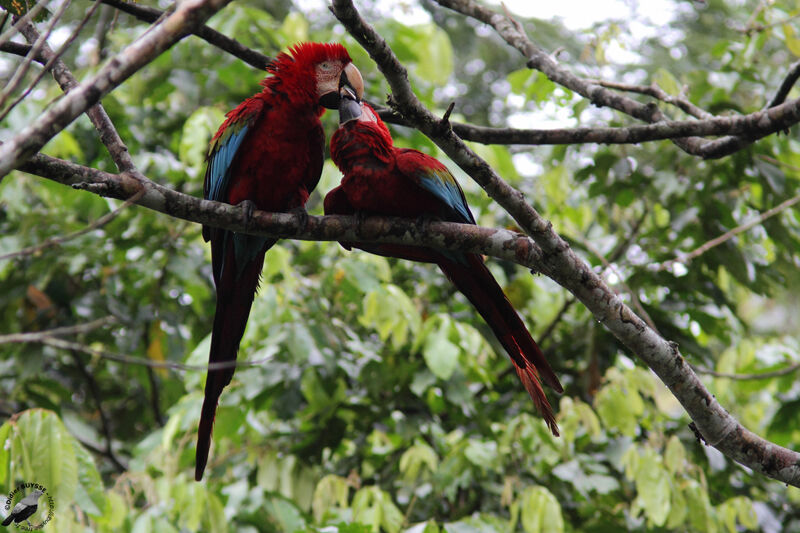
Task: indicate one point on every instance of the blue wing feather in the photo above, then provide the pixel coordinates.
(219, 165)
(218, 178)
(443, 185)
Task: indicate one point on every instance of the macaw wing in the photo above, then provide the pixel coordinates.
(224, 147)
(434, 178)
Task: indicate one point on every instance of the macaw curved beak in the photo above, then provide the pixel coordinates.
(349, 105)
(350, 78)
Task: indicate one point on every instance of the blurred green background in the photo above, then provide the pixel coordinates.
(385, 404)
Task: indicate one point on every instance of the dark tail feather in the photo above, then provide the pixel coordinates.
(234, 299)
(475, 281)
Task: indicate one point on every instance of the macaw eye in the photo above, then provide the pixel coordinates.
(326, 65)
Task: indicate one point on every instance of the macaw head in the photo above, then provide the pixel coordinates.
(360, 115)
(359, 126)
(313, 74)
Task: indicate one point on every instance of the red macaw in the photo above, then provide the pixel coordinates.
(384, 180)
(267, 155)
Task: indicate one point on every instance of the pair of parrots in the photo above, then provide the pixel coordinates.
(268, 155)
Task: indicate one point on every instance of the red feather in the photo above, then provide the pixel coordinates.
(269, 151)
(382, 179)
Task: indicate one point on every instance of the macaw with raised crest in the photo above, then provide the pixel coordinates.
(381, 179)
(267, 155)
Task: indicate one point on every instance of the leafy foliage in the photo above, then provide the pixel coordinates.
(381, 401)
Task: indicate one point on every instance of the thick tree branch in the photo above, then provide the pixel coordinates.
(498, 243)
(188, 15)
(759, 121)
(561, 264)
(600, 96)
(232, 46)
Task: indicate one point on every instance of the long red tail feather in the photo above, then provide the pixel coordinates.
(234, 300)
(479, 286)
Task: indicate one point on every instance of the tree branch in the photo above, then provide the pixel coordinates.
(213, 37)
(188, 14)
(22, 69)
(500, 243)
(58, 241)
(794, 367)
(657, 92)
(57, 332)
(537, 59)
(687, 258)
(97, 114)
(561, 264)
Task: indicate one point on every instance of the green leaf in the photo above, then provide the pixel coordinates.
(541, 512)
(440, 354)
(619, 407)
(287, 516)
(700, 511)
(90, 495)
(436, 63)
(481, 454)
(196, 135)
(294, 28)
(64, 146)
(46, 454)
(391, 313)
(413, 459)
(374, 507)
(791, 40)
(331, 491)
(675, 455)
(664, 79)
(653, 490)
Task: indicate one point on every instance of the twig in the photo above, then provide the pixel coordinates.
(101, 32)
(187, 15)
(130, 360)
(20, 50)
(30, 15)
(52, 58)
(657, 92)
(732, 143)
(19, 74)
(213, 37)
(788, 83)
(685, 259)
(58, 241)
(96, 113)
(121, 467)
(794, 367)
(757, 28)
(56, 332)
(94, 390)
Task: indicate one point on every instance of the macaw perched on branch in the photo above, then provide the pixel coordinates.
(381, 179)
(267, 155)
